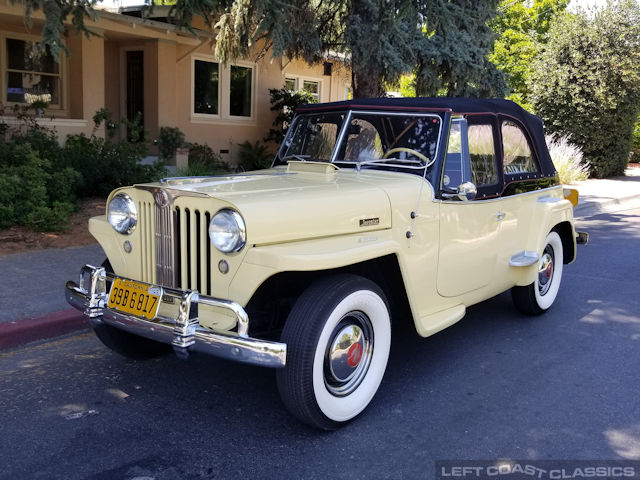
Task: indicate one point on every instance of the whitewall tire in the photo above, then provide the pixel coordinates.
(338, 337)
(537, 298)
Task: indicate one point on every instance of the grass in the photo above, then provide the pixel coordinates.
(568, 159)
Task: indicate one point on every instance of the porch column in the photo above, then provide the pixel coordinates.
(160, 86)
(86, 77)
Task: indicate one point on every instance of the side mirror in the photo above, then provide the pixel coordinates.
(467, 191)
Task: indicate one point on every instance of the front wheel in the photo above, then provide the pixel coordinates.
(537, 298)
(338, 337)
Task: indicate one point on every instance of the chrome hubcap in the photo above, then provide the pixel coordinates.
(545, 270)
(348, 354)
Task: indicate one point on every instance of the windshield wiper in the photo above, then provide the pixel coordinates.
(300, 158)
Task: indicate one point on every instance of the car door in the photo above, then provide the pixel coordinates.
(469, 229)
(521, 169)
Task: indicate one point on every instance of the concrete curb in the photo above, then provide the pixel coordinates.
(26, 330)
(592, 207)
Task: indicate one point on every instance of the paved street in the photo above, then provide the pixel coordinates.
(494, 386)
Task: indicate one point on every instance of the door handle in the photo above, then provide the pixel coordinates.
(500, 215)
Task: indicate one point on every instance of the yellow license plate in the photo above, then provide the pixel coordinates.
(136, 298)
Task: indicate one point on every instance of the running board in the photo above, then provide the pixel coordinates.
(525, 258)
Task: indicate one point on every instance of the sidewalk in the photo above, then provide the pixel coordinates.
(608, 194)
(32, 303)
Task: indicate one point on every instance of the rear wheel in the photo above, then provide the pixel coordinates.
(537, 298)
(338, 336)
(125, 343)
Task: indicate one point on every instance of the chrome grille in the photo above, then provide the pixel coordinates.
(174, 240)
(193, 260)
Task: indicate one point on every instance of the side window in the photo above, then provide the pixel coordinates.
(517, 153)
(456, 167)
(482, 155)
(471, 156)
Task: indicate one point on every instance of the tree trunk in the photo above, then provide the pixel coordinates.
(366, 81)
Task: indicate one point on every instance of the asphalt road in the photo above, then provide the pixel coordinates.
(496, 385)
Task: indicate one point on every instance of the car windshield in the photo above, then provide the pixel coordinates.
(364, 139)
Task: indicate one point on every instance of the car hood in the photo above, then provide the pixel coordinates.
(278, 205)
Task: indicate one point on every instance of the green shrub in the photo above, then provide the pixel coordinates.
(40, 180)
(46, 219)
(202, 158)
(254, 156)
(105, 164)
(197, 170)
(586, 84)
(170, 138)
(31, 191)
(567, 158)
(635, 145)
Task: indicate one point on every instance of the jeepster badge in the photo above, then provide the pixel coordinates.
(368, 222)
(161, 198)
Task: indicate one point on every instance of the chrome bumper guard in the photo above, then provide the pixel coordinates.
(582, 238)
(184, 333)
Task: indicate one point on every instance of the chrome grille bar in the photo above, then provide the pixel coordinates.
(165, 248)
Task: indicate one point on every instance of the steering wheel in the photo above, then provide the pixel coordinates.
(406, 150)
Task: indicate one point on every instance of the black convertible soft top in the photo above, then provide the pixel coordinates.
(492, 106)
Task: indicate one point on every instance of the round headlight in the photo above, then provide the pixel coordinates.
(227, 231)
(122, 213)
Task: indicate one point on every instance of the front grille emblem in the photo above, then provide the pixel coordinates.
(161, 198)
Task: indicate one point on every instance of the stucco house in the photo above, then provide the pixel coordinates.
(142, 65)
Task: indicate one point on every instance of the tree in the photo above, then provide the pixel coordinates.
(381, 38)
(56, 13)
(522, 29)
(586, 83)
(375, 34)
(452, 50)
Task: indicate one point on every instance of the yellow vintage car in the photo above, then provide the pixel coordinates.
(374, 211)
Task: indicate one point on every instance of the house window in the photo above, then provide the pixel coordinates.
(294, 84)
(223, 93)
(290, 84)
(313, 88)
(206, 85)
(32, 74)
(240, 91)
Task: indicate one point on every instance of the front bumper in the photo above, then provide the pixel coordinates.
(184, 332)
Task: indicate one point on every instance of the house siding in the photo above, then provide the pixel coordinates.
(94, 77)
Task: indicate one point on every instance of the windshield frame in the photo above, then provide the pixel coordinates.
(340, 138)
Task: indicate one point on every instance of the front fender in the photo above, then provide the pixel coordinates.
(262, 262)
(549, 212)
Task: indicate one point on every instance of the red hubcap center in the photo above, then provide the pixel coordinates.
(549, 270)
(354, 355)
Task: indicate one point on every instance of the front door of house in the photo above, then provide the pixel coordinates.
(135, 89)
